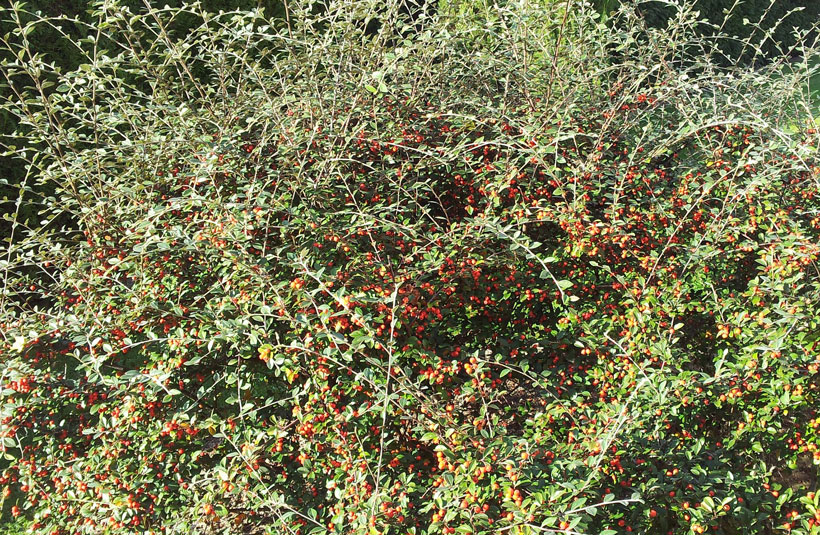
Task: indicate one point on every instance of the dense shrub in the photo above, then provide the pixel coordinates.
(62, 23)
(477, 279)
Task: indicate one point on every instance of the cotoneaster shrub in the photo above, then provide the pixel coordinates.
(480, 280)
(55, 38)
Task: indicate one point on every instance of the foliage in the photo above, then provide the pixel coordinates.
(61, 24)
(476, 279)
(777, 26)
